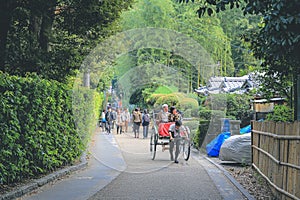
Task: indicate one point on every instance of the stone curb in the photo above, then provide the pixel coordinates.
(44, 180)
(232, 180)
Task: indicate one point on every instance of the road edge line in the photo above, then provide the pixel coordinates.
(35, 184)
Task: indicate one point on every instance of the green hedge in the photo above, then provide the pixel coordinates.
(201, 133)
(37, 129)
(86, 110)
(206, 114)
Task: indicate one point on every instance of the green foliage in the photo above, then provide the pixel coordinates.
(276, 42)
(188, 103)
(216, 101)
(164, 90)
(206, 31)
(193, 126)
(170, 99)
(235, 24)
(86, 111)
(277, 85)
(187, 113)
(207, 114)
(195, 113)
(53, 37)
(201, 133)
(281, 113)
(238, 107)
(38, 133)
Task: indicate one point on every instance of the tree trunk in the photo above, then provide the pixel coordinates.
(46, 25)
(297, 97)
(34, 28)
(6, 8)
(86, 79)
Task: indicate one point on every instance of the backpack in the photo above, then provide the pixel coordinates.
(146, 118)
(108, 116)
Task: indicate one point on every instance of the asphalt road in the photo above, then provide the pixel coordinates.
(120, 167)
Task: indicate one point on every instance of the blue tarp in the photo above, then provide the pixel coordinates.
(226, 126)
(246, 129)
(213, 148)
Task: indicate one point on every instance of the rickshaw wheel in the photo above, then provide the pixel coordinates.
(153, 142)
(186, 150)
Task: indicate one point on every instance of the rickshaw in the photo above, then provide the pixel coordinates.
(160, 137)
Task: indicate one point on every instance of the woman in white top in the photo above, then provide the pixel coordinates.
(103, 120)
(119, 121)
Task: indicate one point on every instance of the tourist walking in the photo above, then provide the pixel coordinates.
(126, 115)
(109, 119)
(137, 119)
(119, 121)
(114, 117)
(103, 120)
(145, 123)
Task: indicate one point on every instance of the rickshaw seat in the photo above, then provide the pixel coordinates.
(163, 129)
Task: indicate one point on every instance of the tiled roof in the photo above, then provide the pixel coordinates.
(227, 84)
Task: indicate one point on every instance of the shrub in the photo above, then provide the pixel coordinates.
(205, 114)
(238, 107)
(195, 113)
(86, 111)
(38, 133)
(187, 113)
(188, 103)
(281, 113)
(170, 99)
(163, 90)
(153, 98)
(201, 133)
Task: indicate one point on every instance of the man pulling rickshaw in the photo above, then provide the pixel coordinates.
(168, 130)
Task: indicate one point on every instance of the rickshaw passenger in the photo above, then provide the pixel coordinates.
(162, 116)
(175, 137)
(174, 115)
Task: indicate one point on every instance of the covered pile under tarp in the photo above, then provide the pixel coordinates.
(246, 129)
(214, 146)
(237, 148)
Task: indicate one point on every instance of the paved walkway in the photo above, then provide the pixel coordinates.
(112, 155)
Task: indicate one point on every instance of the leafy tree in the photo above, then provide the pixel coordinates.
(236, 26)
(277, 42)
(208, 32)
(52, 37)
(166, 14)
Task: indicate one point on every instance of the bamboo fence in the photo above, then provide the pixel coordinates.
(276, 156)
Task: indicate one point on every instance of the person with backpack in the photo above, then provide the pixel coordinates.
(109, 119)
(114, 117)
(103, 120)
(145, 123)
(137, 119)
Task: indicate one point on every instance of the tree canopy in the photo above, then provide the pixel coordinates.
(277, 42)
(52, 37)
